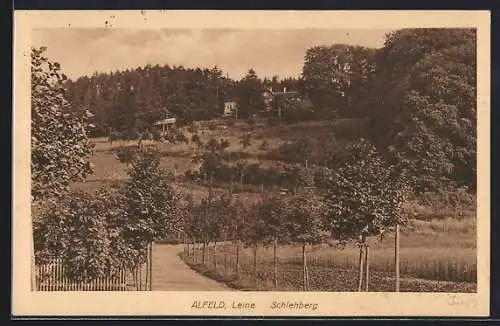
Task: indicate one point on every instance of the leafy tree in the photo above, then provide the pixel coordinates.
(425, 116)
(127, 154)
(152, 204)
(219, 217)
(365, 195)
(246, 140)
(274, 210)
(305, 225)
(212, 157)
(336, 76)
(59, 143)
(249, 90)
(239, 167)
(296, 111)
(255, 233)
(302, 177)
(365, 198)
(264, 146)
(236, 226)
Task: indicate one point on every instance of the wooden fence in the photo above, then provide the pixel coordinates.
(51, 277)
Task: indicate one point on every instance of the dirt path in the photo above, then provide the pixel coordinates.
(170, 273)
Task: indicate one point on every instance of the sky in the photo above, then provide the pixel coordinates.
(269, 52)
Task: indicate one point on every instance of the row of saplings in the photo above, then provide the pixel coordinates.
(363, 198)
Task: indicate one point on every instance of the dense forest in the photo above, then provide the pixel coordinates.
(131, 100)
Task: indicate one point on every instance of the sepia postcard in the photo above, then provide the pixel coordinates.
(251, 163)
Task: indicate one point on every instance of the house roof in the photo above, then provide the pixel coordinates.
(287, 94)
(164, 121)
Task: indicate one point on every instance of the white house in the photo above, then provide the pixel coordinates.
(230, 108)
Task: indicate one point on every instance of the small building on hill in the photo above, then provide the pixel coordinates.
(165, 123)
(271, 96)
(230, 108)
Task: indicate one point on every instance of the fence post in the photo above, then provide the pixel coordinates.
(34, 272)
(275, 263)
(255, 264)
(203, 253)
(151, 266)
(225, 259)
(215, 256)
(304, 271)
(367, 266)
(146, 265)
(396, 256)
(360, 279)
(237, 257)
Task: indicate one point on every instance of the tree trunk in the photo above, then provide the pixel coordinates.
(307, 278)
(275, 263)
(367, 266)
(186, 248)
(137, 281)
(34, 283)
(193, 249)
(151, 266)
(396, 257)
(134, 277)
(140, 277)
(255, 264)
(203, 253)
(304, 264)
(238, 257)
(225, 259)
(360, 279)
(215, 256)
(147, 267)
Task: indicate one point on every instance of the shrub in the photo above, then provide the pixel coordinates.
(126, 154)
(156, 135)
(264, 146)
(81, 230)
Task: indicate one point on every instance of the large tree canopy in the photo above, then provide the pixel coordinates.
(426, 108)
(336, 77)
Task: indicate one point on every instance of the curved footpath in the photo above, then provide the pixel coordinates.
(170, 273)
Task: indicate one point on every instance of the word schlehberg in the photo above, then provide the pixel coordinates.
(293, 305)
